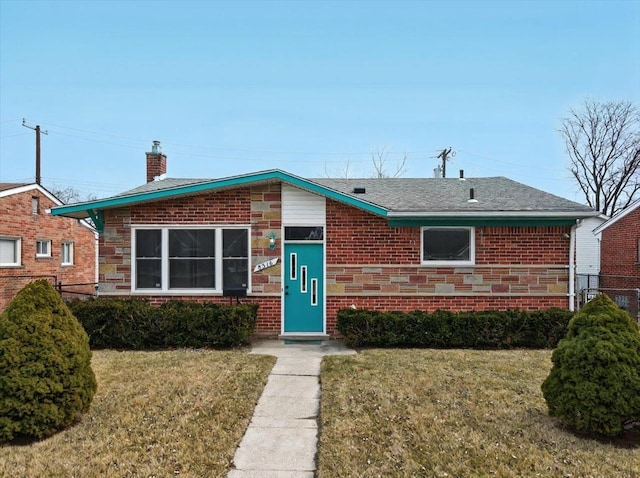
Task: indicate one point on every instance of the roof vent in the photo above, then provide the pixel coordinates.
(472, 198)
(462, 175)
(359, 190)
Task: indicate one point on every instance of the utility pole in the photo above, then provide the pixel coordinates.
(445, 153)
(38, 131)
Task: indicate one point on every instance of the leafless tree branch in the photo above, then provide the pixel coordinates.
(603, 144)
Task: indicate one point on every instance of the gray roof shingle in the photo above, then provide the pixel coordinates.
(452, 195)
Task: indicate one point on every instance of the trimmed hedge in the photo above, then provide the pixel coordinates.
(134, 324)
(444, 329)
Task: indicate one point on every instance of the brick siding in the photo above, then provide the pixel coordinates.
(369, 264)
(18, 221)
(619, 267)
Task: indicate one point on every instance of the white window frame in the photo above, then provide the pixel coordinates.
(35, 205)
(164, 258)
(453, 263)
(17, 244)
(45, 254)
(69, 246)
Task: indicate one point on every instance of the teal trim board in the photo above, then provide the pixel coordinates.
(480, 221)
(98, 220)
(82, 209)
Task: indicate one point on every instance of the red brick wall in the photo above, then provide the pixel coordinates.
(372, 265)
(368, 263)
(619, 247)
(259, 206)
(17, 220)
(619, 266)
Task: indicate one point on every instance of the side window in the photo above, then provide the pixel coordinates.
(148, 258)
(448, 245)
(10, 251)
(67, 253)
(235, 258)
(43, 248)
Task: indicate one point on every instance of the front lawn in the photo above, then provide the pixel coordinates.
(175, 413)
(407, 413)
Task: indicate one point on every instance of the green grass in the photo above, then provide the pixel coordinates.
(175, 413)
(406, 413)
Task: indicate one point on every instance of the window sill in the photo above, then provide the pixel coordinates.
(447, 264)
(11, 266)
(176, 293)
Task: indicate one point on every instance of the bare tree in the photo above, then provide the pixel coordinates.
(382, 163)
(69, 194)
(384, 166)
(344, 171)
(603, 144)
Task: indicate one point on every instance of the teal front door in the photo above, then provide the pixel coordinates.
(303, 288)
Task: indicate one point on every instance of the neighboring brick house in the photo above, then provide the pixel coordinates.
(34, 244)
(620, 258)
(304, 248)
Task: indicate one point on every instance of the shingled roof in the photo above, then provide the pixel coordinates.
(434, 195)
(393, 198)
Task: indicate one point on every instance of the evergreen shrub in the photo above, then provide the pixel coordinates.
(134, 324)
(46, 380)
(445, 329)
(594, 384)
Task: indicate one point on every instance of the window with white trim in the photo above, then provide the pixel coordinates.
(10, 251)
(67, 253)
(35, 205)
(448, 246)
(43, 248)
(198, 259)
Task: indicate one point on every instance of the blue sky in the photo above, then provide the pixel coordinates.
(308, 87)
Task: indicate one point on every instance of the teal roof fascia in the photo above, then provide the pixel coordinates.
(481, 221)
(98, 219)
(122, 201)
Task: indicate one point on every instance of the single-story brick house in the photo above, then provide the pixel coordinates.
(620, 258)
(34, 244)
(304, 248)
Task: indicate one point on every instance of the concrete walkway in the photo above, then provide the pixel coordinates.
(281, 440)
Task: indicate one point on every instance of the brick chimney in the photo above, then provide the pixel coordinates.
(156, 162)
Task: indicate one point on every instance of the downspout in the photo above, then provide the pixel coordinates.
(97, 259)
(572, 269)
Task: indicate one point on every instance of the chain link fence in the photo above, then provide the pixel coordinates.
(623, 290)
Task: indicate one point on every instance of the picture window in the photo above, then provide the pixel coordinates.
(448, 245)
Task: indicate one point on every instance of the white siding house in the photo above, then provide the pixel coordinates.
(587, 257)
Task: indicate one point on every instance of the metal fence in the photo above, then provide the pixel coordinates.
(10, 285)
(623, 290)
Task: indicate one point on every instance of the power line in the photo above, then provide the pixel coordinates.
(165, 143)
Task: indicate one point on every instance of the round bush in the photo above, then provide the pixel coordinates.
(594, 384)
(46, 379)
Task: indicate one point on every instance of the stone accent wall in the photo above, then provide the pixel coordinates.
(369, 264)
(258, 206)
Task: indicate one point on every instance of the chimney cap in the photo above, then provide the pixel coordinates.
(155, 147)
